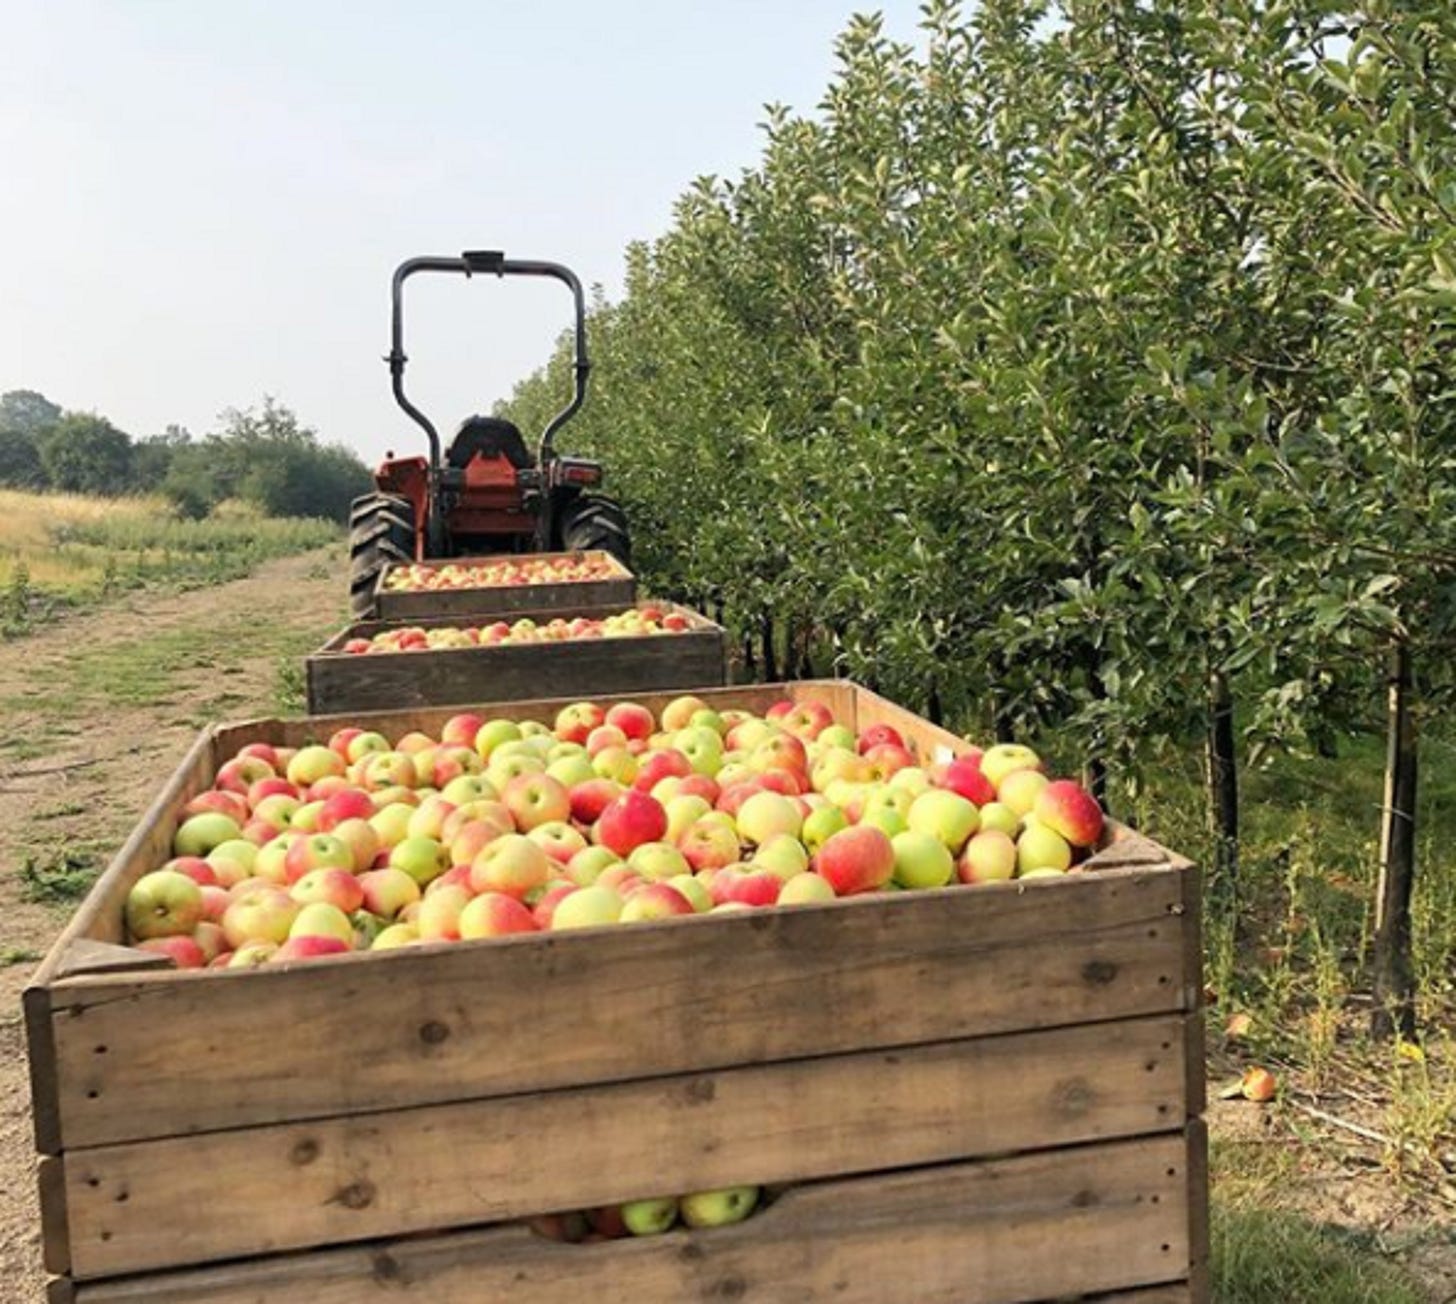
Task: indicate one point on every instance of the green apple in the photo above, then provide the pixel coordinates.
(921, 860)
(571, 770)
(718, 1208)
(200, 834)
(1001, 818)
(649, 1217)
(708, 718)
(586, 865)
(887, 821)
(423, 859)
(912, 779)
(944, 815)
(1019, 790)
(804, 890)
(493, 733)
(821, 825)
(703, 747)
(783, 854)
(1039, 847)
(765, 814)
(588, 907)
(465, 788)
(837, 735)
(682, 814)
(658, 860)
(322, 920)
(884, 796)
(989, 857)
(1004, 759)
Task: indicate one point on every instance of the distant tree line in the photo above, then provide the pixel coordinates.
(262, 456)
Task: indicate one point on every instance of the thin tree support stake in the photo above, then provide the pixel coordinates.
(1395, 1004)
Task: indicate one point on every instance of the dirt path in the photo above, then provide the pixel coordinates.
(94, 712)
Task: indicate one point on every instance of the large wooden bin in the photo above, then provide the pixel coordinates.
(338, 681)
(981, 1095)
(619, 589)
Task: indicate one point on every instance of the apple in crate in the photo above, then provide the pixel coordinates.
(718, 1208)
(164, 903)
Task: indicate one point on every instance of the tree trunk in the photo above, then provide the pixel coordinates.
(1395, 993)
(1223, 785)
(770, 661)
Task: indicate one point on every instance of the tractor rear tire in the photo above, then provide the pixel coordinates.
(381, 531)
(596, 523)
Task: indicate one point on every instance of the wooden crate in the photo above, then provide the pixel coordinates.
(619, 590)
(338, 681)
(980, 1095)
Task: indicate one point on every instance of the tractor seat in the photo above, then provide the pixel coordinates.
(490, 437)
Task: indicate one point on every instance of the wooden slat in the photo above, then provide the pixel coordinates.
(339, 681)
(84, 956)
(55, 1233)
(259, 1190)
(1030, 1228)
(45, 1082)
(1199, 1250)
(462, 1020)
(618, 590)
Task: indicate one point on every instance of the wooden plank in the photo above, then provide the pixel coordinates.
(220, 1195)
(339, 681)
(40, 1054)
(617, 590)
(60, 1290)
(463, 1020)
(1174, 1292)
(958, 1234)
(1199, 1250)
(84, 956)
(55, 1233)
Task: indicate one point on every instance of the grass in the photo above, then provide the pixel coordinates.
(61, 876)
(64, 550)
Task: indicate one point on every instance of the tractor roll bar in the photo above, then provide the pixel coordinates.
(487, 262)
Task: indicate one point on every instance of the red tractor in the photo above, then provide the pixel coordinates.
(487, 492)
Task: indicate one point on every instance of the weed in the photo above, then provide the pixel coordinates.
(13, 955)
(59, 877)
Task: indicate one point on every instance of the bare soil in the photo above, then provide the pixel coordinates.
(94, 713)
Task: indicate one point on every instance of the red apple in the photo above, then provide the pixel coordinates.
(855, 860)
(1069, 809)
(631, 820)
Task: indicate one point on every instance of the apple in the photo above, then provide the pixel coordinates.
(574, 723)
(964, 776)
(347, 804)
(747, 887)
(805, 889)
(388, 770)
(855, 860)
(544, 908)
(572, 770)
(261, 913)
(201, 833)
(1019, 789)
(703, 748)
(944, 815)
(1070, 810)
(921, 860)
(184, 952)
(502, 768)
(718, 1208)
(682, 813)
(310, 946)
(707, 844)
(885, 797)
(466, 788)
(649, 1217)
(1006, 758)
(765, 814)
(252, 954)
(367, 743)
(227, 858)
(693, 892)
(1041, 848)
(317, 851)
(164, 903)
(320, 919)
(336, 887)
(535, 799)
(1001, 818)
(312, 763)
(395, 936)
(661, 765)
(391, 824)
(632, 719)
(657, 860)
(632, 819)
(588, 907)
(493, 914)
(586, 866)
(990, 856)
(492, 733)
(888, 821)
(423, 859)
(783, 855)
(678, 713)
(387, 891)
(822, 824)
(655, 901)
(887, 760)
(215, 802)
(512, 864)
(440, 911)
(558, 840)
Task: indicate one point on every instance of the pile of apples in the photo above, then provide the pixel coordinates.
(635, 622)
(602, 816)
(650, 1217)
(569, 568)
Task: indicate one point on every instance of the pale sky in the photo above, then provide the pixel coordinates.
(202, 201)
